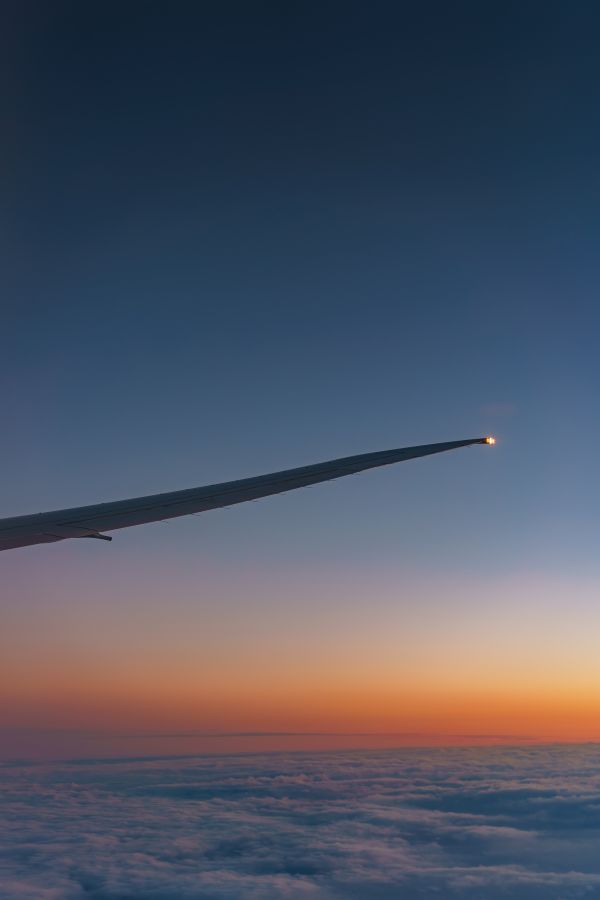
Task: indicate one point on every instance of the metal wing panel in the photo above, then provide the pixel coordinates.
(91, 521)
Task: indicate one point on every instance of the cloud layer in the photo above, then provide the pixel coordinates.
(479, 823)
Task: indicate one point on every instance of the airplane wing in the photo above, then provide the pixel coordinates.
(93, 521)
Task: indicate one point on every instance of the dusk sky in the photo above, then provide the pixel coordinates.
(243, 237)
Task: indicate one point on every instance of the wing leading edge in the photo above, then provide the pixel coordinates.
(93, 521)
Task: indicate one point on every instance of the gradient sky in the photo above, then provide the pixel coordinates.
(242, 237)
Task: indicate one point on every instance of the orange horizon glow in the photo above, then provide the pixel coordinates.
(394, 660)
(534, 713)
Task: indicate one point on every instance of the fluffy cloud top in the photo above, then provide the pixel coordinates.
(479, 824)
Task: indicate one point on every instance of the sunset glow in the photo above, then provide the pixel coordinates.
(393, 658)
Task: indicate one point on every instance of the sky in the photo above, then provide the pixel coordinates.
(242, 237)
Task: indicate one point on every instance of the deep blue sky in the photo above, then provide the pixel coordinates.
(241, 237)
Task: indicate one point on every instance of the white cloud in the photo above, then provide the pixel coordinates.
(457, 823)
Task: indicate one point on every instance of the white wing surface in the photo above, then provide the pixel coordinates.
(94, 521)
